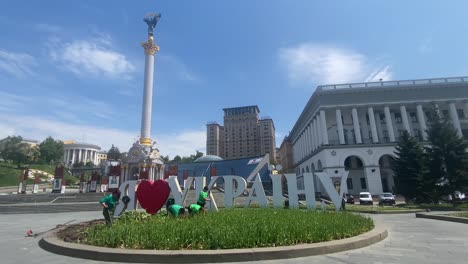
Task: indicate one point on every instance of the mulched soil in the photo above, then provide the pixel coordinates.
(75, 233)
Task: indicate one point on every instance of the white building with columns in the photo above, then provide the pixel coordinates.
(354, 128)
(75, 152)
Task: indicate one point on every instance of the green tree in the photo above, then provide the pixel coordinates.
(447, 157)
(51, 150)
(19, 152)
(177, 158)
(409, 168)
(165, 159)
(113, 153)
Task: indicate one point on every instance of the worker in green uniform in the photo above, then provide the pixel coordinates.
(203, 197)
(176, 210)
(194, 209)
(108, 204)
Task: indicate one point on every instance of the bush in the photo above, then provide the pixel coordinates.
(227, 229)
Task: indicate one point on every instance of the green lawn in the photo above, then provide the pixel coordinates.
(374, 208)
(227, 229)
(437, 207)
(9, 174)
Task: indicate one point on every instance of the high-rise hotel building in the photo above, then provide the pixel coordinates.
(244, 134)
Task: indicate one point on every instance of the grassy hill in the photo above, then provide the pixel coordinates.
(9, 174)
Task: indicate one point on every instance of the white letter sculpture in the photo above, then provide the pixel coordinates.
(127, 189)
(229, 192)
(330, 188)
(260, 197)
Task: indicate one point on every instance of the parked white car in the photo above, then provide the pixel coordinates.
(365, 198)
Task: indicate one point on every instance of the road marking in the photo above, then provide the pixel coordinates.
(62, 197)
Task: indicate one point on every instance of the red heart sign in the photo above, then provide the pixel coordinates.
(152, 196)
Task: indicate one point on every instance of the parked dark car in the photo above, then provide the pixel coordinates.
(387, 198)
(349, 199)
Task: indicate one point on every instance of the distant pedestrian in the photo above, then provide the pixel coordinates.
(203, 197)
(108, 203)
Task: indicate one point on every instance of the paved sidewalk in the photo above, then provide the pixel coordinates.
(411, 240)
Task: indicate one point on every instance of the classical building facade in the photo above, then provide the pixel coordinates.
(244, 134)
(75, 152)
(355, 127)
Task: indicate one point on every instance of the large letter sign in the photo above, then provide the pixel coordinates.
(235, 186)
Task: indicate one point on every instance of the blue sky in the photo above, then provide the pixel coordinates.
(74, 69)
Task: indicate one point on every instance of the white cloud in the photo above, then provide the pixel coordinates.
(184, 143)
(18, 64)
(319, 64)
(95, 56)
(380, 74)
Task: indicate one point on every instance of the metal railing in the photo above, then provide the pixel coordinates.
(394, 83)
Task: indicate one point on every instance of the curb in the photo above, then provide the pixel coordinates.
(51, 243)
(443, 218)
(390, 211)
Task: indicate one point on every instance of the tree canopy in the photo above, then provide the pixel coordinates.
(51, 150)
(113, 153)
(18, 152)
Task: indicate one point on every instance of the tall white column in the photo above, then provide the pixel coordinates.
(454, 117)
(150, 50)
(311, 136)
(404, 118)
(375, 138)
(357, 128)
(319, 131)
(96, 157)
(421, 121)
(301, 145)
(388, 120)
(307, 146)
(79, 155)
(339, 125)
(314, 135)
(86, 155)
(324, 131)
(73, 156)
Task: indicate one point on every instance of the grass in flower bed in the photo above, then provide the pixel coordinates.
(227, 229)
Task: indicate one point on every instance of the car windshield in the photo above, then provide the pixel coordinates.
(364, 195)
(387, 195)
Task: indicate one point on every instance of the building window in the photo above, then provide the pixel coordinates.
(363, 183)
(349, 183)
(413, 117)
(398, 118)
(461, 114)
